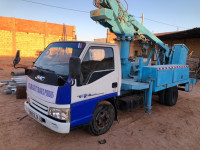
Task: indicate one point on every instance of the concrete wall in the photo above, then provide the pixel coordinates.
(30, 36)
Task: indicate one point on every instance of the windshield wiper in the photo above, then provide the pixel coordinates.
(44, 69)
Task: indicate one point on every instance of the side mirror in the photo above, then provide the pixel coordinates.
(61, 81)
(17, 58)
(74, 68)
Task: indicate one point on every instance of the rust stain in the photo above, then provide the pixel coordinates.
(96, 13)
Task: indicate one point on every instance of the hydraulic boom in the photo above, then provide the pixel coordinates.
(111, 14)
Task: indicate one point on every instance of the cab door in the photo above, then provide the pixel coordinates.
(99, 81)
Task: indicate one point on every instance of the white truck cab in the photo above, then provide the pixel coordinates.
(64, 106)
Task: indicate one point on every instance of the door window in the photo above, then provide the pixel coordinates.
(98, 62)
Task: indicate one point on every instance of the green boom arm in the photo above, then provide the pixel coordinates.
(112, 15)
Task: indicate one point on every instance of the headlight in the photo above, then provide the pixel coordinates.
(60, 113)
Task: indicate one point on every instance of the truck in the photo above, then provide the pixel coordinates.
(75, 83)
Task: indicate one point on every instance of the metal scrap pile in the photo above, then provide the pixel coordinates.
(194, 63)
(16, 86)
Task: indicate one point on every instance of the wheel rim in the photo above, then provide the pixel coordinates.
(102, 119)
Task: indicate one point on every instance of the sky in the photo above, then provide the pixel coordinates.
(182, 13)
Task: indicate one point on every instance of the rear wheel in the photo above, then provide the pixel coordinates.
(161, 95)
(103, 118)
(168, 96)
(171, 96)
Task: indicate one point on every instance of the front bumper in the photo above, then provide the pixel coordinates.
(56, 126)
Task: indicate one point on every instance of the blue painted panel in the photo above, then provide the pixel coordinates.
(149, 72)
(181, 74)
(64, 95)
(82, 112)
(156, 89)
(180, 54)
(130, 84)
(164, 77)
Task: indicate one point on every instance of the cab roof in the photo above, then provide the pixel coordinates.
(89, 42)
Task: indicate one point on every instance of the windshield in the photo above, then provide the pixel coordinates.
(56, 56)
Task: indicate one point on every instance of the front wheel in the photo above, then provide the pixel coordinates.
(102, 119)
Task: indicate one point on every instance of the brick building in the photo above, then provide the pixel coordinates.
(30, 37)
(191, 38)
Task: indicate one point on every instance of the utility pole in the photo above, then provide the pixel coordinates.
(142, 18)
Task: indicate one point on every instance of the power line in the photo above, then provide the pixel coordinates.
(163, 23)
(82, 11)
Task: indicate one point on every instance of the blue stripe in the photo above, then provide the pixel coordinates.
(82, 112)
(64, 95)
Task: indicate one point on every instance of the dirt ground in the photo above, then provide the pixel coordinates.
(171, 128)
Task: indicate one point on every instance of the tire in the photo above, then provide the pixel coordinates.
(171, 96)
(161, 95)
(102, 119)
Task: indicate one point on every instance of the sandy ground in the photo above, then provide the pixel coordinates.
(171, 128)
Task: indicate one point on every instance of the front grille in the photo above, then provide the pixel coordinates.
(40, 107)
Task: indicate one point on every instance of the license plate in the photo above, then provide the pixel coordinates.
(35, 116)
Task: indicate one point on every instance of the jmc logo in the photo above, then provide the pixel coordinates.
(41, 78)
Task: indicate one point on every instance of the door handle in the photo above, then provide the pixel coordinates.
(114, 85)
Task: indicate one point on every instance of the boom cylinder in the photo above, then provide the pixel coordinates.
(124, 53)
